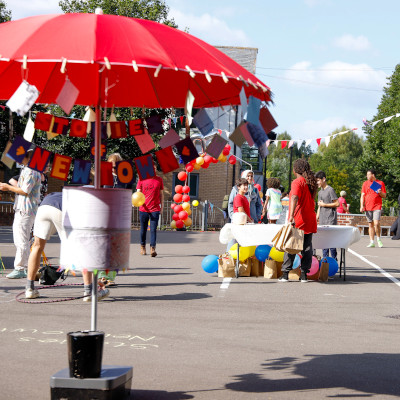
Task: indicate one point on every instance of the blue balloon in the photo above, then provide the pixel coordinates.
(296, 262)
(210, 264)
(333, 265)
(262, 252)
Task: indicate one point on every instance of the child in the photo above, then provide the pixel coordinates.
(272, 204)
(240, 202)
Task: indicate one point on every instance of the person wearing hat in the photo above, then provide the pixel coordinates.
(27, 199)
(343, 206)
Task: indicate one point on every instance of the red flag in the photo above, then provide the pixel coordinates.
(319, 141)
(181, 119)
(284, 143)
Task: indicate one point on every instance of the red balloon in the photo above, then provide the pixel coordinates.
(207, 159)
(232, 160)
(179, 224)
(173, 205)
(226, 151)
(205, 165)
(258, 186)
(177, 198)
(214, 160)
(178, 189)
(175, 217)
(228, 147)
(177, 209)
(183, 215)
(186, 189)
(182, 176)
(189, 168)
(185, 198)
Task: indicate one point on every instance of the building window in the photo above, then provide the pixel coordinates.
(250, 155)
(193, 184)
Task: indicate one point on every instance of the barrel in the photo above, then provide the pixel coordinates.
(97, 225)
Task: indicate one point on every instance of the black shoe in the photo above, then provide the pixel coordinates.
(284, 278)
(303, 277)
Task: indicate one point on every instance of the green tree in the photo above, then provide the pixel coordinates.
(278, 160)
(382, 148)
(5, 15)
(154, 10)
(339, 161)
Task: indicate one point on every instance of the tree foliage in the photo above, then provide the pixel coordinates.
(340, 161)
(5, 14)
(154, 10)
(382, 148)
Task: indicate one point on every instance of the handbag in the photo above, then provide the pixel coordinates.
(50, 275)
(289, 239)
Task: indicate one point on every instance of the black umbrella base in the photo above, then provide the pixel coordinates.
(114, 383)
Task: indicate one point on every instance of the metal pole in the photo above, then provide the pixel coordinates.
(234, 149)
(265, 176)
(93, 322)
(290, 169)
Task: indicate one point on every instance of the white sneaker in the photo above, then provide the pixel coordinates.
(101, 294)
(31, 293)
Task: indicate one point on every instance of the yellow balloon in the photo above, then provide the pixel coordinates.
(187, 221)
(189, 212)
(276, 255)
(173, 224)
(244, 252)
(138, 199)
(261, 194)
(200, 160)
(195, 203)
(196, 166)
(186, 205)
(223, 158)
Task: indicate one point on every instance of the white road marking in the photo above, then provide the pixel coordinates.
(377, 267)
(224, 287)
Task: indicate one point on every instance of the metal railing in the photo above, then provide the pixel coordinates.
(204, 217)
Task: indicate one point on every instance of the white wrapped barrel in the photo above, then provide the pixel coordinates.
(97, 225)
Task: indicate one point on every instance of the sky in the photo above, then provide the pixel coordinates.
(326, 61)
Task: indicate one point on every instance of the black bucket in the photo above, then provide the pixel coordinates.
(85, 351)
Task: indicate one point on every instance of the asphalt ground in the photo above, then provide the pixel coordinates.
(189, 339)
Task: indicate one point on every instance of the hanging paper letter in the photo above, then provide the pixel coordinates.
(167, 160)
(78, 128)
(61, 166)
(118, 129)
(43, 121)
(125, 172)
(18, 149)
(186, 150)
(81, 173)
(145, 167)
(39, 159)
(106, 177)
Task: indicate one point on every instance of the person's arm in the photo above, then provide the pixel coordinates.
(162, 200)
(382, 194)
(293, 203)
(265, 206)
(5, 187)
(13, 182)
(318, 212)
(230, 202)
(362, 199)
(259, 206)
(345, 208)
(334, 204)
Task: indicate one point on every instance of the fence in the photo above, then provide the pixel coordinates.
(204, 217)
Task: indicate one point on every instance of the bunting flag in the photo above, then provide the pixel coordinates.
(291, 143)
(284, 143)
(318, 141)
(327, 140)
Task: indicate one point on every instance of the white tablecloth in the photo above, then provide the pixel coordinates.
(327, 236)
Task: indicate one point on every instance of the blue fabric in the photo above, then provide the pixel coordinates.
(325, 253)
(53, 200)
(255, 203)
(144, 222)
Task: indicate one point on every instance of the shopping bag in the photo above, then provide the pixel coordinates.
(289, 239)
(257, 267)
(271, 269)
(294, 274)
(324, 271)
(245, 267)
(226, 266)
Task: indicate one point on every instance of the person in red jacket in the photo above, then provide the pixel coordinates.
(240, 202)
(302, 215)
(371, 203)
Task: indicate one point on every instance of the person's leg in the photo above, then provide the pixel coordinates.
(88, 285)
(371, 231)
(334, 254)
(287, 266)
(154, 217)
(144, 220)
(33, 267)
(307, 254)
(325, 253)
(21, 233)
(377, 227)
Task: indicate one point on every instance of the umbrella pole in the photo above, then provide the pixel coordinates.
(97, 169)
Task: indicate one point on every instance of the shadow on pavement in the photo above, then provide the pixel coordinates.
(159, 395)
(166, 297)
(369, 373)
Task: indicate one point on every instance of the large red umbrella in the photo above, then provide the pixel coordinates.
(150, 65)
(118, 61)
